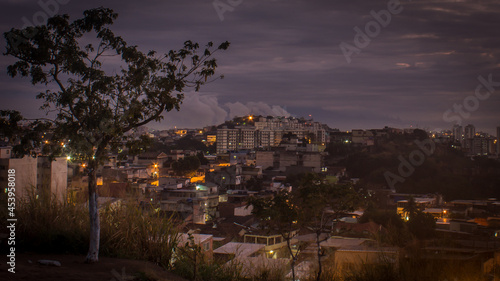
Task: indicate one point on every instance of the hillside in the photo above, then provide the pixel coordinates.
(446, 170)
(73, 269)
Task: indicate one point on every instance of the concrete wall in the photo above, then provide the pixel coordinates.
(25, 174)
(264, 159)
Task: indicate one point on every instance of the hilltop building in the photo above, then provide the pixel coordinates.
(266, 132)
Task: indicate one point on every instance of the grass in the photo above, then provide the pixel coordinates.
(48, 226)
(130, 232)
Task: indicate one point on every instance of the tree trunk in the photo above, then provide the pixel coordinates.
(93, 253)
(318, 243)
(293, 256)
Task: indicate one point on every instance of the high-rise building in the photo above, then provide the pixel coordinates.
(268, 132)
(226, 139)
(478, 146)
(470, 131)
(457, 133)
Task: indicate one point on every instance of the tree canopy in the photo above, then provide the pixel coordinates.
(100, 87)
(186, 166)
(96, 105)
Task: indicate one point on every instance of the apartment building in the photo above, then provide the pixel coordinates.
(35, 175)
(268, 132)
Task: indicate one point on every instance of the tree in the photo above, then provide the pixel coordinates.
(322, 203)
(422, 225)
(186, 166)
(254, 184)
(190, 256)
(410, 209)
(280, 214)
(95, 105)
(25, 135)
(202, 158)
(189, 143)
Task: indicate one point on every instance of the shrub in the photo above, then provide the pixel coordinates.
(128, 231)
(49, 226)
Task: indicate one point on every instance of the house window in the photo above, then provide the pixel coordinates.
(206, 246)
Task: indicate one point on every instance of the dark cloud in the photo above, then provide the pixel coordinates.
(285, 53)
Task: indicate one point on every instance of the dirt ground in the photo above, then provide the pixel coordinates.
(74, 269)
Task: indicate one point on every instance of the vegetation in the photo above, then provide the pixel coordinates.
(279, 213)
(186, 166)
(95, 109)
(49, 226)
(192, 263)
(446, 171)
(130, 232)
(314, 205)
(322, 203)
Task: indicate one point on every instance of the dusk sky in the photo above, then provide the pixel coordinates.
(285, 58)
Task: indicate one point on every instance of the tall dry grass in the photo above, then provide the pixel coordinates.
(47, 225)
(131, 232)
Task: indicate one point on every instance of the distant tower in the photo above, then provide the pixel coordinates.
(470, 131)
(457, 133)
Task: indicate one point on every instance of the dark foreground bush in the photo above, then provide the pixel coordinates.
(49, 226)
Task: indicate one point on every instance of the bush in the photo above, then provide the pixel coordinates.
(129, 232)
(49, 226)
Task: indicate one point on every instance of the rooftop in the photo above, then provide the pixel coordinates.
(239, 249)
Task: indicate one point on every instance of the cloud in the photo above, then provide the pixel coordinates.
(286, 53)
(199, 110)
(196, 111)
(255, 108)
